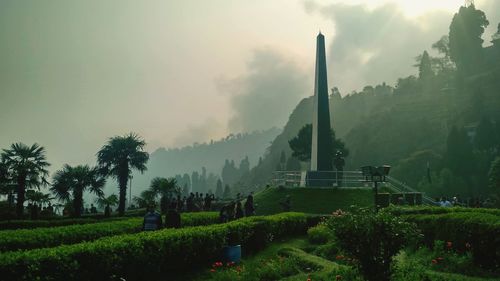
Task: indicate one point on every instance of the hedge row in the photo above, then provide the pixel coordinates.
(480, 230)
(63, 221)
(147, 255)
(31, 224)
(425, 210)
(25, 239)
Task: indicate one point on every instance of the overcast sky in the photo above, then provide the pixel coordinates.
(73, 73)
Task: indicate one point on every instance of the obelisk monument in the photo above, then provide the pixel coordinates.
(321, 150)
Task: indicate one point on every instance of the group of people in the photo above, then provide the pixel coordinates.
(456, 201)
(236, 210)
(195, 202)
(153, 221)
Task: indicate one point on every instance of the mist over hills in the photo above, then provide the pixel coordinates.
(212, 155)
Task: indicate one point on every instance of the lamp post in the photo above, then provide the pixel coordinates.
(375, 175)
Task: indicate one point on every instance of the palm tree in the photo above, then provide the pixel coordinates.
(147, 198)
(165, 188)
(118, 157)
(7, 187)
(28, 166)
(106, 203)
(70, 183)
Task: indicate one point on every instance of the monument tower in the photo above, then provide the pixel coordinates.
(321, 150)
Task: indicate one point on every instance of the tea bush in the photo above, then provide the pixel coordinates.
(426, 210)
(146, 255)
(319, 234)
(25, 239)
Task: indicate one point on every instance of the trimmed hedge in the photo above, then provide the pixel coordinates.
(480, 230)
(147, 255)
(31, 224)
(25, 239)
(425, 210)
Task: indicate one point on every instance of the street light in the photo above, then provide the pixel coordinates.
(375, 175)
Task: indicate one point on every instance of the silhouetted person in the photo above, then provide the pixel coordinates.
(93, 209)
(287, 204)
(173, 219)
(208, 202)
(238, 213)
(190, 202)
(230, 209)
(249, 208)
(107, 211)
(223, 215)
(339, 163)
(152, 220)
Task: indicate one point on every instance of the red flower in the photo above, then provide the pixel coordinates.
(339, 257)
(338, 277)
(212, 270)
(434, 261)
(449, 245)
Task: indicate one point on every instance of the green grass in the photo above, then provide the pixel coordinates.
(311, 200)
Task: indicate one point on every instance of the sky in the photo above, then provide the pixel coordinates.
(74, 73)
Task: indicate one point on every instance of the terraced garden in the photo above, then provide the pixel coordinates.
(425, 244)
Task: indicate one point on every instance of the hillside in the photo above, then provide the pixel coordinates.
(170, 162)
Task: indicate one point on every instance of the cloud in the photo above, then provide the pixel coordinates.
(209, 129)
(376, 45)
(266, 94)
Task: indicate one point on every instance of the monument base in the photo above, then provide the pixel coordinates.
(321, 179)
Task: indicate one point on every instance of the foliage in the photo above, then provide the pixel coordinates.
(301, 144)
(466, 30)
(166, 189)
(218, 191)
(427, 210)
(319, 234)
(109, 201)
(479, 229)
(23, 239)
(372, 239)
(146, 255)
(494, 177)
(227, 192)
(70, 183)
(118, 157)
(28, 166)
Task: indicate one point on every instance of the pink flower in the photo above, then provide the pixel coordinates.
(449, 245)
(434, 261)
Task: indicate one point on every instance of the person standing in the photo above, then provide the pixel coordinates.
(152, 220)
(249, 207)
(238, 214)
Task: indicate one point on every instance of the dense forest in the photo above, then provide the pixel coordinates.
(438, 129)
(200, 165)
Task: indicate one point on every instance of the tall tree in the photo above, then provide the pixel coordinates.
(466, 44)
(458, 156)
(165, 189)
(218, 191)
(70, 183)
(227, 192)
(486, 138)
(106, 203)
(28, 166)
(425, 68)
(301, 144)
(118, 157)
(494, 177)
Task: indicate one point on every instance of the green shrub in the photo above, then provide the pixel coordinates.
(426, 210)
(320, 234)
(479, 231)
(25, 239)
(372, 239)
(146, 255)
(30, 224)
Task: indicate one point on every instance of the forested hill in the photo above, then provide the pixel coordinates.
(170, 162)
(447, 115)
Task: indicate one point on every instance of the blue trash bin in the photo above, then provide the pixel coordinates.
(232, 253)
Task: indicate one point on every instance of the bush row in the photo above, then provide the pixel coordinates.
(147, 255)
(24, 239)
(30, 224)
(475, 231)
(426, 210)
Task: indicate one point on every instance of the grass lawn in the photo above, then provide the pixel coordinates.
(311, 200)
